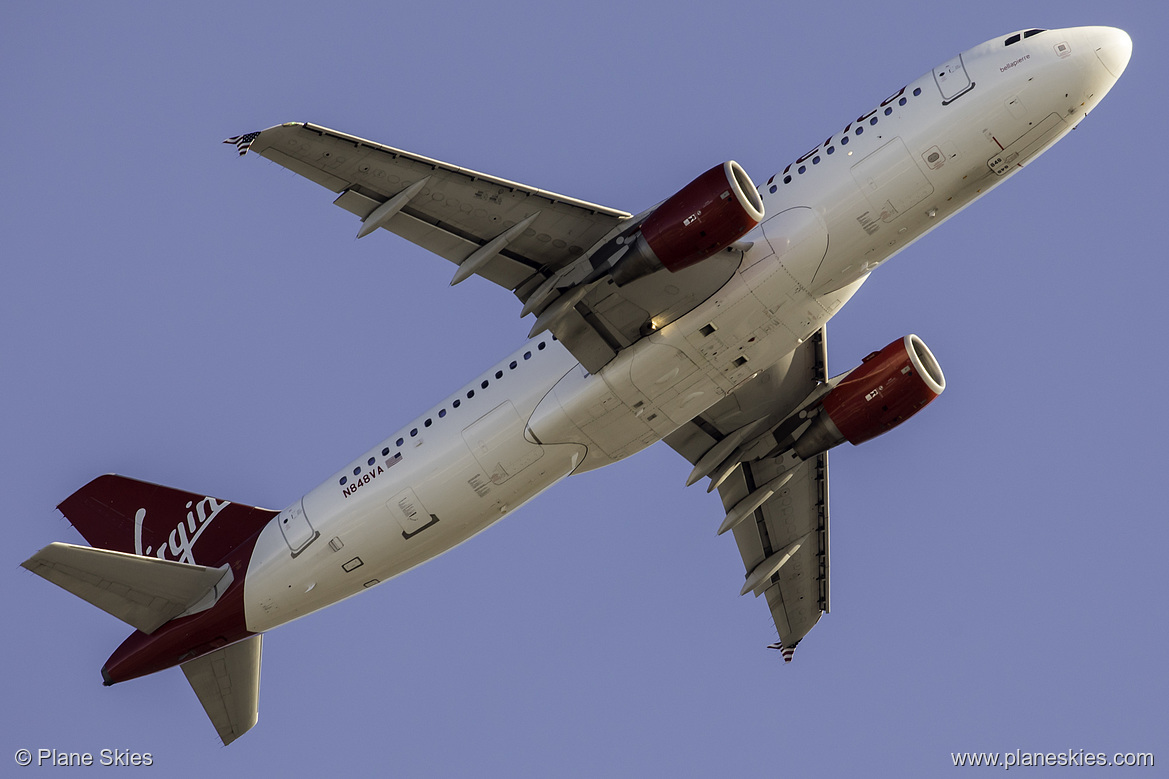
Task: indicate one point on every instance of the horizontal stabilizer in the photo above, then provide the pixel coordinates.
(145, 592)
(227, 682)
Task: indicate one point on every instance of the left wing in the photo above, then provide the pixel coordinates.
(778, 512)
(541, 245)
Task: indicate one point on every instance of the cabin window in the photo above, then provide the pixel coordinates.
(371, 461)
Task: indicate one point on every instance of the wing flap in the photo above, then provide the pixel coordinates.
(144, 592)
(500, 269)
(797, 513)
(227, 682)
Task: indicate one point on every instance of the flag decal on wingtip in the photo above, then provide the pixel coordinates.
(788, 651)
(243, 142)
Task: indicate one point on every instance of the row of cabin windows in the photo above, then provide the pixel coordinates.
(442, 412)
(843, 141)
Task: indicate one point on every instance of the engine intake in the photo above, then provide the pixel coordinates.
(887, 388)
(700, 220)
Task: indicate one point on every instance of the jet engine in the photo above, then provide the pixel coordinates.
(886, 389)
(701, 219)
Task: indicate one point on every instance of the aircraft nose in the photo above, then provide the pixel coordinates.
(1113, 47)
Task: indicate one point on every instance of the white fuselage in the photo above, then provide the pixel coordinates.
(864, 194)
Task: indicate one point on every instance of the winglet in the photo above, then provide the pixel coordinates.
(243, 142)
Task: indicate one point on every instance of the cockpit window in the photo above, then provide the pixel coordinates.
(1021, 35)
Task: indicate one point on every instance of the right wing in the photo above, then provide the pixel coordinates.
(784, 540)
(540, 245)
(454, 213)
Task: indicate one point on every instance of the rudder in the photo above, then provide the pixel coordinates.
(126, 515)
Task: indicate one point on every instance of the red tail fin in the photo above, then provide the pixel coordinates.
(126, 515)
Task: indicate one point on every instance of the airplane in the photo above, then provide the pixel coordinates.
(700, 321)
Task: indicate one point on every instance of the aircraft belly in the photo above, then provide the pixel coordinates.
(426, 508)
(651, 389)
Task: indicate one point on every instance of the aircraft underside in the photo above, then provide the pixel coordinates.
(699, 321)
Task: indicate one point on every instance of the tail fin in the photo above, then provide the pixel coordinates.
(126, 515)
(142, 591)
(227, 682)
(171, 564)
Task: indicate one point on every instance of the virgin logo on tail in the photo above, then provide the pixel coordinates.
(181, 541)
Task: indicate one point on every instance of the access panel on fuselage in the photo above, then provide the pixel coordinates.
(410, 514)
(799, 238)
(498, 444)
(891, 180)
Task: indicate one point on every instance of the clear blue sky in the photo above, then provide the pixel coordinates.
(173, 313)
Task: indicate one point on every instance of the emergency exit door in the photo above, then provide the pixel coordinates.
(297, 530)
(952, 80)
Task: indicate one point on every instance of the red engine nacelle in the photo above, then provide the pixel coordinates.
(700, 220)
(886, 389)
